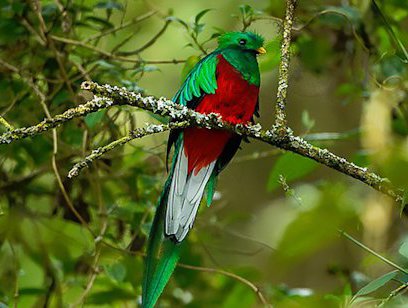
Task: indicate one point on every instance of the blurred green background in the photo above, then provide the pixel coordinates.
(277, 216)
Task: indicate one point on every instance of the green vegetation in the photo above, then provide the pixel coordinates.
(282, 230)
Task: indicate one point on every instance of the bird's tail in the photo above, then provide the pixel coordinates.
(162, 254)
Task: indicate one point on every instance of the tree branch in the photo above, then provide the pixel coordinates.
(4, 122)
(107, 96)
(134, 134)
(120, 27)
(280, 120)
(232, 275)
(149, 43)
(47, 124)
(109, 55)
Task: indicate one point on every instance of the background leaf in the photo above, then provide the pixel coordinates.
(376, 284)
(292, 167)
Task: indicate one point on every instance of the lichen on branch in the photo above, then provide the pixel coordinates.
(280, 110)
(180, 117)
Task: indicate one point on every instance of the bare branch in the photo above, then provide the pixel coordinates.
(149, 43)
(120, 27)
(232, 275)
(374, 253)
(109, 55)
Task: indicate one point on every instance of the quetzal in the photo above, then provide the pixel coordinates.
(225, 82)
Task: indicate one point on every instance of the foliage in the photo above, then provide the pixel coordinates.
(81, 241)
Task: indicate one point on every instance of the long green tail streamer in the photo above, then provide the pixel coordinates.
(162, 254)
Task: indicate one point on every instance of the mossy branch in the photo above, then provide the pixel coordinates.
(280, 116)
(180, 116)
(134, 134)
(49, 123)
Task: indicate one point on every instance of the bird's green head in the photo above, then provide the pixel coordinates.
(247, 41)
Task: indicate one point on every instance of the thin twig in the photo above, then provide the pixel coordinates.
(134, 134)
(122, 43)
(257, 155)
(98, 242)
(339, 13)
(149, 43)
(120, 27)
(34, 33)
(232, 275)
(16, 294)
(50, 43)
(389, 262)
(94, 273)
(398, 291)
(241, 279)
(29, 80)
(42, 100)
(332, 136)
(5, 123)
(110, 55)
(97, 153)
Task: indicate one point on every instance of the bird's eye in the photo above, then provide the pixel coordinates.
(242, 41)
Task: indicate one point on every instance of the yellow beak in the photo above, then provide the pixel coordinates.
(261, 50)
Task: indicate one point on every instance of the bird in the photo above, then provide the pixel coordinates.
(225, 82)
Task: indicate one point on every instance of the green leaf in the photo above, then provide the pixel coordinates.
(109, 5)
(105, 64)
(390, 31)
(117, 272)
(198, 28)
(352, 14)
(307, 121)
(110, 296)
(403, 250)
(32, 291)
(18, 7)
(239, 296)
(49, 10)
(201, 15)
(292, 167)
(62, 97)
(404, 203)
(246, 9)
(376, 284)
(100, 21)
(10, 31)
(314, 52)
(94, 118)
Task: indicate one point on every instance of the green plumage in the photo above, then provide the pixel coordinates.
(243, 63)
(162, 253)
(231, 49)
(211, 188)
(201, 78)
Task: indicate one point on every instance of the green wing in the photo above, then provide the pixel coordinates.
(201, 80)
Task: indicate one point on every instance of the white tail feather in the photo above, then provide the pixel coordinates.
(185, 196)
